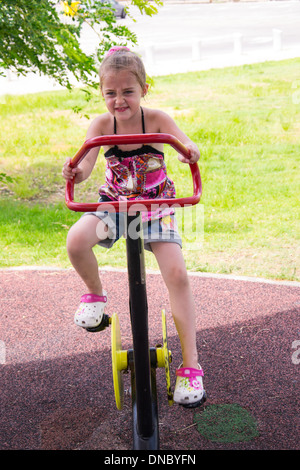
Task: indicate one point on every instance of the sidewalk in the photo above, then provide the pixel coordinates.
(33, 83)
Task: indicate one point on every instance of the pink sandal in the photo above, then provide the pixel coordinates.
(90, 311)
(189, 390)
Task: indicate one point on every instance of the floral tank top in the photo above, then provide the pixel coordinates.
(137, 174)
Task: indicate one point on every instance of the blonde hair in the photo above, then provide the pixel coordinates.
(123, 59)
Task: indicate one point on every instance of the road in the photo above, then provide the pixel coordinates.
(255, 20)
(230, 34)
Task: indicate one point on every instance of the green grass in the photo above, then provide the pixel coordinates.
(246, 122)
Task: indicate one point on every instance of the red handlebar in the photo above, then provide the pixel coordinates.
(142, 204)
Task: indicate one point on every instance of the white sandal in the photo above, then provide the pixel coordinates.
(189, 390)
(90, 311)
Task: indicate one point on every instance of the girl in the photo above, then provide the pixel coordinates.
(139, 173)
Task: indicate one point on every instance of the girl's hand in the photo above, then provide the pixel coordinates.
(194, 154)
(70, 173)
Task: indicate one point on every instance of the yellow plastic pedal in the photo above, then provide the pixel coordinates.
(119, 361)
(167, 358)
(160, 356)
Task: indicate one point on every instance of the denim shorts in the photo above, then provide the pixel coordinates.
(158, 230)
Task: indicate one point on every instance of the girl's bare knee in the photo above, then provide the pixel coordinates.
(85, 234)
(172, 265)
(81, 236)
(177, 278)
(76, 240)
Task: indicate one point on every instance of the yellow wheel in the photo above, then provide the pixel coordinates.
(119, 361)
(167, 357)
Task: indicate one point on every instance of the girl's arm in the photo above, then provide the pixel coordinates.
(84, 169)
(168, 126)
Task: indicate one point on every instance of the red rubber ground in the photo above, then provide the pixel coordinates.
(56, 379)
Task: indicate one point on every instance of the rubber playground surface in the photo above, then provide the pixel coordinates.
(56, 378)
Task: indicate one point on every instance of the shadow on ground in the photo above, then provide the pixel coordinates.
(56, 382)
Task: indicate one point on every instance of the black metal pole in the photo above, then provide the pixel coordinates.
(151, 442)
(139, 323)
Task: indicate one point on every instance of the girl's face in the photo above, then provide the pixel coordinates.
(122, 94)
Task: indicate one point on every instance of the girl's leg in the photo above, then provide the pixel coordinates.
(82, 237)
(172, 266)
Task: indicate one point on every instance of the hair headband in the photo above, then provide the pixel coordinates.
(115, 49)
